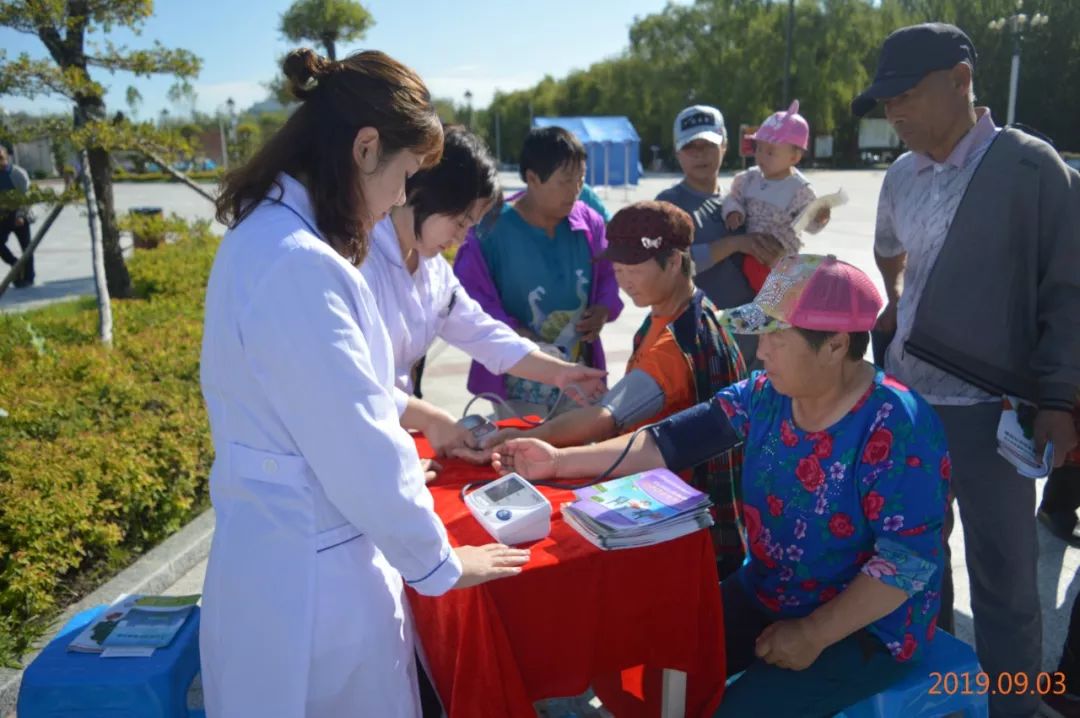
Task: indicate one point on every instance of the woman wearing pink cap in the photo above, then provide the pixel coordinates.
(767, 197)
(844, 483)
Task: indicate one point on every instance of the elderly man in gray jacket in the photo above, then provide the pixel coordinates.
(978, 241)
(14, 179)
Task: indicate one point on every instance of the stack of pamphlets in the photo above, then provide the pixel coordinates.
(1016, 439)
(135, 626)
(638, 510)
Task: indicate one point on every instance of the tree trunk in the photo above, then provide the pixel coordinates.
(116, 273)
(104, 307)
(329, 41)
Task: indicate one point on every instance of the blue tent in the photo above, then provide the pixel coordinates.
(612, 143)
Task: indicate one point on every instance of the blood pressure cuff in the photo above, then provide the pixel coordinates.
(633, 400)
(694, 436)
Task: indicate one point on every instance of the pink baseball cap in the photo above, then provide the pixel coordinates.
(785, 128)
(809, 291)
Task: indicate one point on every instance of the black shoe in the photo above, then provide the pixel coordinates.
(22, 283)
(1062, 524)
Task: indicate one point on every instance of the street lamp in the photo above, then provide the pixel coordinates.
(787, 52)
(468, 102)
(230, 104)
(1016, 23)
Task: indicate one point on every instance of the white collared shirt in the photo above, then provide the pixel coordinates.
(297, 374)
(418, 307)
(918, 201)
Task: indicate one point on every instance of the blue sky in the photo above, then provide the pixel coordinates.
(477, 45)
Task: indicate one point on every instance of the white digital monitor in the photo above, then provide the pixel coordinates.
(511, 509)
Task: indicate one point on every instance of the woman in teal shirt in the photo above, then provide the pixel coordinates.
(536, 269)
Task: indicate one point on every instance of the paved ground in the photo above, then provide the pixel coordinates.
(63, 265)
(64, 269)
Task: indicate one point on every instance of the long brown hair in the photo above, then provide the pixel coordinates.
(366, 89)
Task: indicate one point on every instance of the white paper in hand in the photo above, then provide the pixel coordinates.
(1016, 439)
(805, 220)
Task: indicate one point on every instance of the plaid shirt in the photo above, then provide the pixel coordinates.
(717, 363)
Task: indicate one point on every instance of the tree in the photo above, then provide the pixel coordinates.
(270, 122)
(63, 27)
(453, 113)
(134, 100)
(246, 138)
(183, 97)
(730, 53)
(279, 90)
(327, 22)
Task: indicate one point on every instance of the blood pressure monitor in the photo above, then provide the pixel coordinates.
(511, 510)
(478, 426)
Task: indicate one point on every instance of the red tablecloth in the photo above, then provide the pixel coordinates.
(575, 616)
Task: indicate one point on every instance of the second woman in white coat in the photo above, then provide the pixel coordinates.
(420, 298)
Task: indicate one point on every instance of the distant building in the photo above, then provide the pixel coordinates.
(36, 158)
(208, 144)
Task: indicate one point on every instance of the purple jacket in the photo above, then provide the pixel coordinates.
(472, 271)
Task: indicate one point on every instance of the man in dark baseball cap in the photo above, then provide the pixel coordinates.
(909, 55)
(978, 239)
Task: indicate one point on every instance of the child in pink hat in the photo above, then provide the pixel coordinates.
(770, 195)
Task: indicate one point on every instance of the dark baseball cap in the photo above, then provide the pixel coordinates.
(645, 230)
(910, 54)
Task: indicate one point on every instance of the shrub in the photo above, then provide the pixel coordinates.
(103, 453)
(152, 230)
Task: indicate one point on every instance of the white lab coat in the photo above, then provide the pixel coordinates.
(431, 303)
(320, 500)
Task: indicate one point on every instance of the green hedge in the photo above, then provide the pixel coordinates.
(120, 175)
(103, 453)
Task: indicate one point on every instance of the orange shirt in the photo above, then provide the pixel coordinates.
(659, 356)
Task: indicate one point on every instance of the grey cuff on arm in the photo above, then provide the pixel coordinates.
(635, 398)
(695, 435)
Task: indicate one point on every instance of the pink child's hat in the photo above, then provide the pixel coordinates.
(785, 128)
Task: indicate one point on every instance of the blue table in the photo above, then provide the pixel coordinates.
(62, 683)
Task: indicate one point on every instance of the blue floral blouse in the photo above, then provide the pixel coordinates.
(866, 495)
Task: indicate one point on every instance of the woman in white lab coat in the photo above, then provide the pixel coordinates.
(420, 298)
(321, 507)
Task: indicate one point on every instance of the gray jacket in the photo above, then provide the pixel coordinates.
(21, 180)
(1001, 308)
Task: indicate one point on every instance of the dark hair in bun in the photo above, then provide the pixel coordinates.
(303, 68)
(315, 145)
